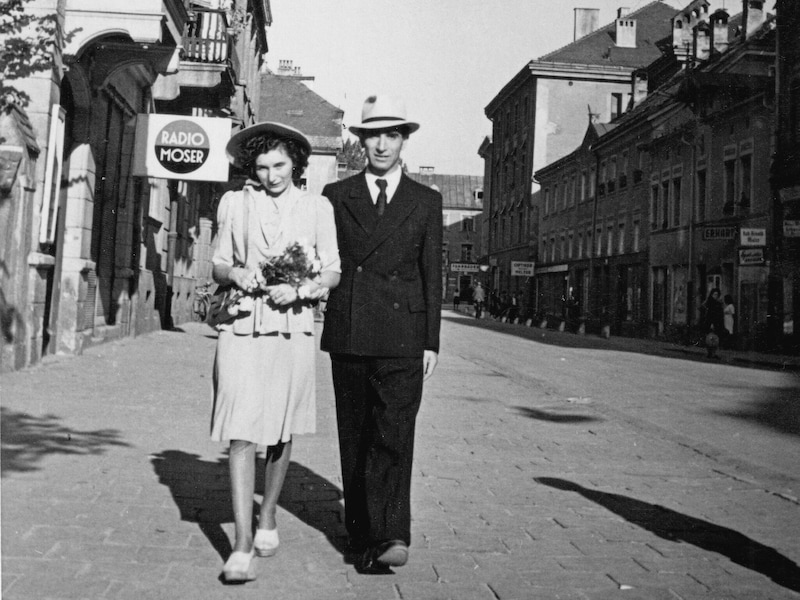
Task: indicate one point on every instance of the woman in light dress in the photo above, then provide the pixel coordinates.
(264, 373)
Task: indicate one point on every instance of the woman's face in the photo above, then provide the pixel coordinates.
(274, 170)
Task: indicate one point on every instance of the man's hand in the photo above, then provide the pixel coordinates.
(429, 361)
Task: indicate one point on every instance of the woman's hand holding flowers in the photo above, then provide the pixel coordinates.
(282, 294)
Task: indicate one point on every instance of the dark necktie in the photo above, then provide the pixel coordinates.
(380, 204)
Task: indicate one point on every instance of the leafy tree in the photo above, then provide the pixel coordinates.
(352, 154)
(27, 44)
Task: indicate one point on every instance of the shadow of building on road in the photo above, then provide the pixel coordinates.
(201, 491)
(676, 527)
(777, 408)
(28, 439)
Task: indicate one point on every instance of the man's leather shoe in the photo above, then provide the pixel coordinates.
(379, 559)
(393, 553)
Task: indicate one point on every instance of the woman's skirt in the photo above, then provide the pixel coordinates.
(264, 387)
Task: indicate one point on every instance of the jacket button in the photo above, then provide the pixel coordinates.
(359, 269)
(396, 305)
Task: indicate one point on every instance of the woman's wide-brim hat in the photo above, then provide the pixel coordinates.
(383, 112)
(233, 149)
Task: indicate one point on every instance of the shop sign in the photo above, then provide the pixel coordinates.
(790, 194)
(521, 268)
(552, 269)
(181, 147)
(791, 228)
(719, 233)
(751, 256)
(752, 236)
(464, 267)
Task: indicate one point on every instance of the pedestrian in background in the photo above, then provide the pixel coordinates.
(264, 373)
(478, 299)
(729, 313)
(713, 322)
(382, 331)
(456, 300)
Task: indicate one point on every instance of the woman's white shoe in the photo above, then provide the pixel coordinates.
(266, 542)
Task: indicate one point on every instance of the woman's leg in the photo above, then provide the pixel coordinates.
(274, 475)
(242, 461)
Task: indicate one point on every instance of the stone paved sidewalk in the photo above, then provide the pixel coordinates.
(111, 489)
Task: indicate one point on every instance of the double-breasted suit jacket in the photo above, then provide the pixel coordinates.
(388, 302)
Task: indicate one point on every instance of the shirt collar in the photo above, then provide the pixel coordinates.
(392, 181)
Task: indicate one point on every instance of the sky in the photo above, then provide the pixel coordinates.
(447, 58)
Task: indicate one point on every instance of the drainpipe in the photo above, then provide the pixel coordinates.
(690, 261)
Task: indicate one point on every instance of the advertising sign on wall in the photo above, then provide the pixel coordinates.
(753, 236)
(181, 147)
(751, 256)
(521, 268)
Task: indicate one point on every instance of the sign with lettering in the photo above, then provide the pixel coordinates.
(753, 236)
(521, 268)
(719, 233)
(181, 147)
(464, 267)
(751, 256)
(791, 228)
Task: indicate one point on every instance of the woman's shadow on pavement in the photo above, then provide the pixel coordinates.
(201, 491)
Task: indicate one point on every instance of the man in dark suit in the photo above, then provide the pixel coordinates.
(382, 331)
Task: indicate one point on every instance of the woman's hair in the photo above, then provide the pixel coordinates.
(712, 292)
(261, 144)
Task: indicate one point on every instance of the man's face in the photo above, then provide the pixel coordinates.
(383, 148)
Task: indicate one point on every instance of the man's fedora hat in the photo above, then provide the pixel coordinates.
(233, 148)
(383, 112)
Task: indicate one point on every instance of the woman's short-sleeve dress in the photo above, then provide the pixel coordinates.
(264, 368)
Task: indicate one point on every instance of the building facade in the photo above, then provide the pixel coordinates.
(534, 124)
(104, 253)
(462, 208)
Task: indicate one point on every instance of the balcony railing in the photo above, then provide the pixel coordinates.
(206, 38)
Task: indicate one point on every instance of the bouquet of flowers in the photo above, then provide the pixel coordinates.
(297, 263)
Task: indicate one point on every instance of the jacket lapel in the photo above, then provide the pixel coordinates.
(359, 204)
(401, 205)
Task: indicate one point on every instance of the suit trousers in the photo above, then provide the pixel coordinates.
(377, 401)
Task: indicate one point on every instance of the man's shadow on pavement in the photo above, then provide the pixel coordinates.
(201, 490)
(676, 527)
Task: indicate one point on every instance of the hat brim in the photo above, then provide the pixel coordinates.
(383, 124)
(234, 145)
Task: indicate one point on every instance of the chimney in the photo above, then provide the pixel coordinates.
(701, 45)
(638, 87)
(753, 15)
(587, 20)
(626, 33)
(623, 11)
(719, 31)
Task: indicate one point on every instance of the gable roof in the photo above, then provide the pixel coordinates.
(457, 190)
(287, 100)
(653, 23)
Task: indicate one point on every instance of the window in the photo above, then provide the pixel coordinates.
(466, 252)
(569, 244)
(729, 186)
(592, 182)
(612, 174)
(598, 241)
(563, 250)
(546, 201)
(636, 233)
(511, 231)
(616, 105)
(572, 188)
(621, 238)
(623, 170)
(588, 242)
(676, 202)
(609, 240)
(664, 205)
(544, 250)
(702, 191)
(654, 207)
(467, 222)
(565, 193)
(579, 252)
(746, 169)
(552, 249)
(555, 198)
(584, 185)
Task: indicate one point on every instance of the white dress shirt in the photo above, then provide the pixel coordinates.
(392, 181)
